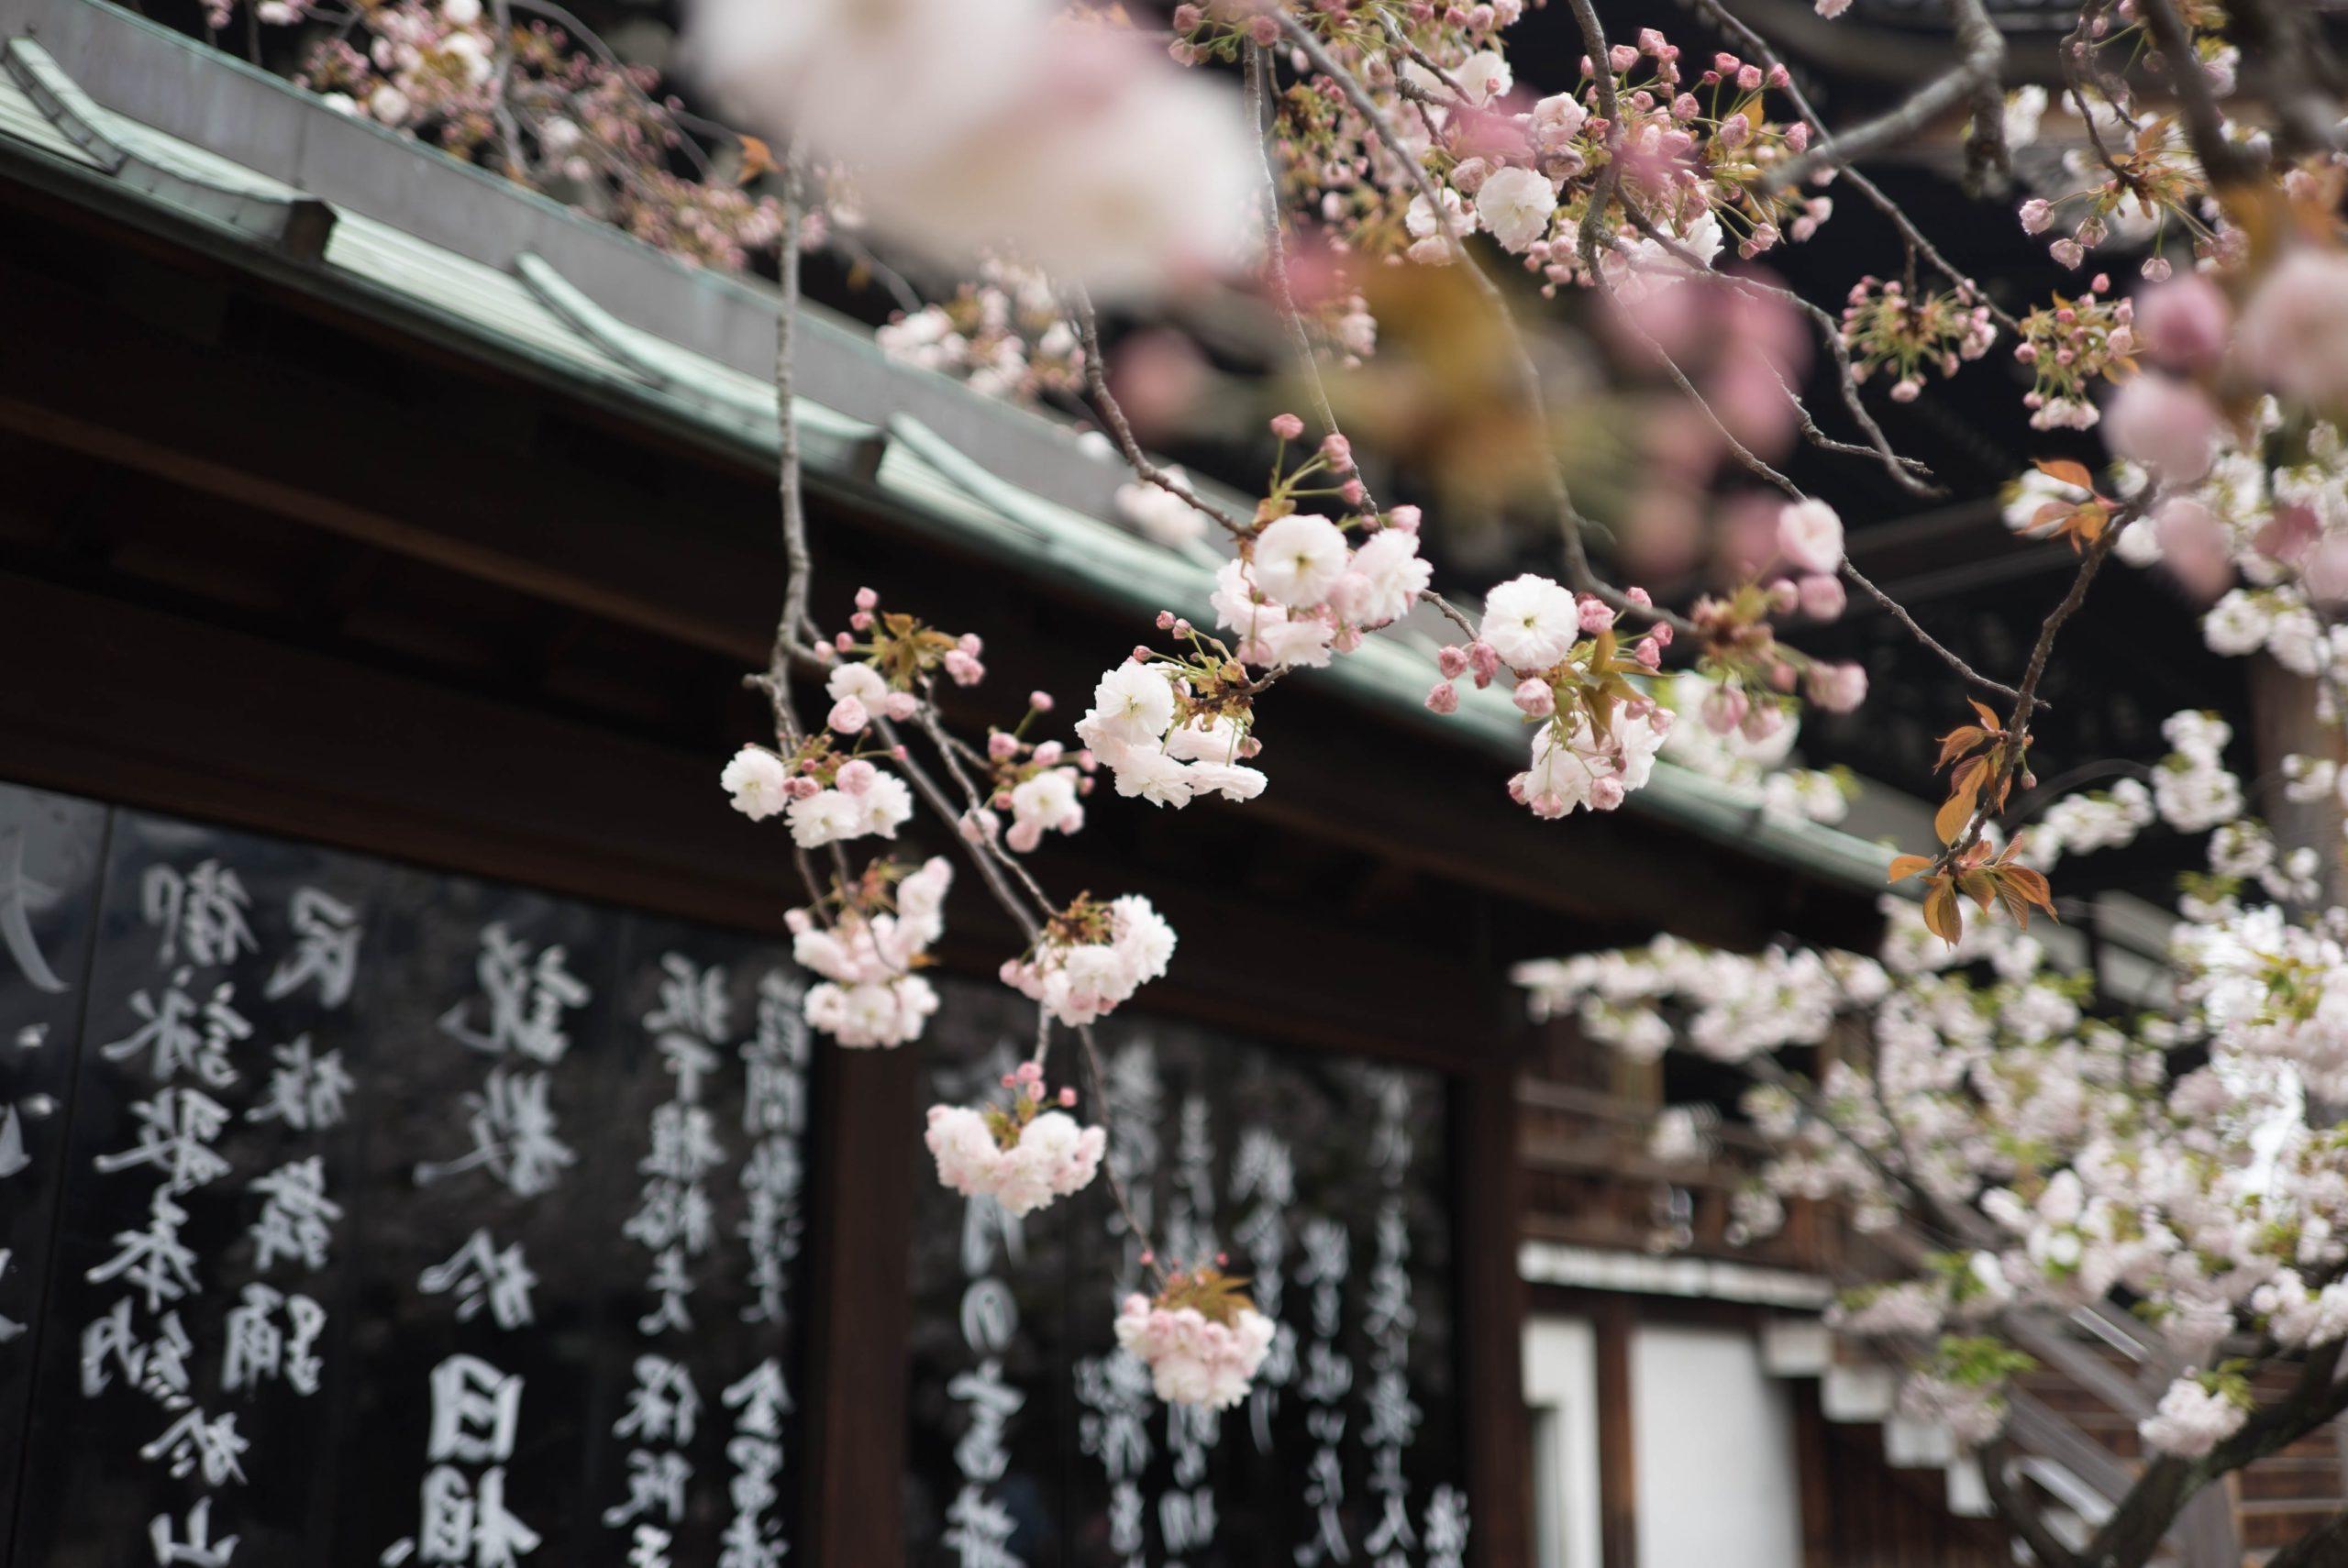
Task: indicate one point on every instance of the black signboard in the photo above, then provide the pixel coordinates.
(1323, 1181)
(367, 1215)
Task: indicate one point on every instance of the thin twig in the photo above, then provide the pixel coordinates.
(1096, 381)
(1754, 44)
(1947, 655)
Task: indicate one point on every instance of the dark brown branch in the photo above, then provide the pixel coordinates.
(2142, 1519)
(2326, 1546)
(1982, 56)
(1096, 382)
(2017, 1511)
(2205, 126)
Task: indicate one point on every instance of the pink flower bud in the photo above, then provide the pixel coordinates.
(1353, 493)
(1823, 598)
(848, 716)
(1337, 451)
(1606, 793)
(1452, 661)
(1535, 698)
(1403, 519)
(867, 599)
(1838, 688)
(1638, 596)
(2168, 425)
(1001, 745)
(1723, 709)
(1287, 426)
(900, 705)
(1442, 698)
(1596, 614)
(856, 777)
(861, 621)
(1040, 701)
(1484, 659)
(1048, 753)
(2183, 323)
(1068, 1097)
(1648, 652)
(965, 669)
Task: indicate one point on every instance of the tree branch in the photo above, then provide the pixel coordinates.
(1983, 56)
(2016, 1510)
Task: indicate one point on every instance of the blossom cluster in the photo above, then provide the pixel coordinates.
(540, 106)
(2069, 344)
(1304, 587)
(1693, 152)
(1748, 745)
(1021, 1156)
(1003, 335)
(1037, 782)
(825, 798)
(2088, 821)
(1885, 327)
(1202, 1339)
(2077, 1158)
(869, 952)
(1093, 957)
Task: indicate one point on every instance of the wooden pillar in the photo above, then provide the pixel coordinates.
(860, 1318)
(1618, 1482)
(1491, 1314)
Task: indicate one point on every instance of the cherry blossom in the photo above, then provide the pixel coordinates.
(1201, 1340)
(1022, 1156)
(1094, 957)
(869, 954)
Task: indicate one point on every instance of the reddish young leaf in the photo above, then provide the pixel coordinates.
(1955, 813)
(2067, 472)
(1942, 916)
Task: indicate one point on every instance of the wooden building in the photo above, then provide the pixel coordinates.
(381, 549)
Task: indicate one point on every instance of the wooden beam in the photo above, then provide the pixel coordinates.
(243, 427)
